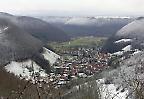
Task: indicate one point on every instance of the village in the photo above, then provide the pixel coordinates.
(78, 63)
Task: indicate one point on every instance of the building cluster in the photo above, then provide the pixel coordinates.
(79, 63)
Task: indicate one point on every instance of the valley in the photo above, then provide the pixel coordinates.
(84, 42)
(71, 57)
(79, 63)
(84, 58)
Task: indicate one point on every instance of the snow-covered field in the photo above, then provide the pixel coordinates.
(50, 56)
(25, 69)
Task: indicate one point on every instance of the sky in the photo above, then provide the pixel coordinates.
(74, 7)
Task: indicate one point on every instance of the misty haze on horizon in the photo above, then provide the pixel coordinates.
(74, 7)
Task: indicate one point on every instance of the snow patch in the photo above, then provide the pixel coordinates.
(80, 21)
(3, 29)
(109, 91)
(56, 19)
(6, 28)
(25, 69)
(113, 17)
(50, 56)
(123, 40)
(127, 48)
(136, 52)
(118, 53)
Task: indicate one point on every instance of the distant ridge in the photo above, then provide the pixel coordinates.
(37, 28)
(89, 26)
(132, 34)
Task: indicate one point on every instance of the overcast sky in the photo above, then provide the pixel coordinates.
(74, 7)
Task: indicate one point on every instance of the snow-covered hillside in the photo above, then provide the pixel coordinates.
(50, 56)
(131, 34)
(110, 91)
(133, 29)
(98, 20)
(80, 21)
(130, 74)
(88, 26)
(53, 19)
(26, 69)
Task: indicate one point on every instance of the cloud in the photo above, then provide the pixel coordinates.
(83, 6)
